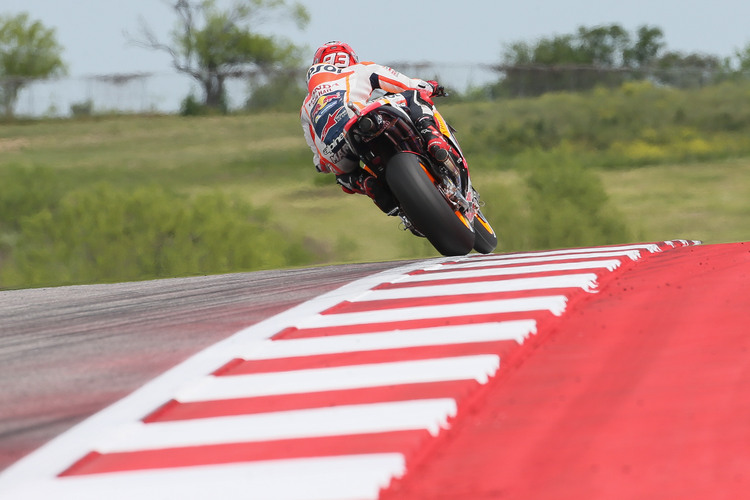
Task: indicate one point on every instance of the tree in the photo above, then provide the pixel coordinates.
(28, 51)
(688, 70)
(561, 49)
(744, 58)
(648, 46)
(602, 55)
(740, 67)
(211, 45)
(604, 46)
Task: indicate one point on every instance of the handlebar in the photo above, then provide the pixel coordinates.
(440, 92)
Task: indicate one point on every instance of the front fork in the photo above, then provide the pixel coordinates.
(467, 205)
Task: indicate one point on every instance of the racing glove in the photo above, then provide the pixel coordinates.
(437, 89)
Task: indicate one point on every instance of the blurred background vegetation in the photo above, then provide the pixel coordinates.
(597, 149)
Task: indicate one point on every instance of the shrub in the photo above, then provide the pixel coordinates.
(282, 93)
(569, 207)
(101, 234)
(192, 106)
(25, 191)
(79, 109)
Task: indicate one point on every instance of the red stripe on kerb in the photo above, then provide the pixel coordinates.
(441, 300)
(175, 410)
(246, 367)
(407, 442)
(325, 331)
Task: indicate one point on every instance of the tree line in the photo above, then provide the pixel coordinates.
(212, 45)
(608, 55)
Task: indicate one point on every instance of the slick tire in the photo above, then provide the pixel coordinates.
(448, 231)
(485, 239)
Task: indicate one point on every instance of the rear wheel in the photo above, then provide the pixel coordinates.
(448, 231)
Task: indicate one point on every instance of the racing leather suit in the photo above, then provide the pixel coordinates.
(325, 112)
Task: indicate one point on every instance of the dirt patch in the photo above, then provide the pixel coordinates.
(7, 145)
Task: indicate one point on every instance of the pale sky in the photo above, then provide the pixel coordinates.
(437, 31)
(91, 31)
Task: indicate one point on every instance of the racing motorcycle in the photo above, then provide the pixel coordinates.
(436, 200)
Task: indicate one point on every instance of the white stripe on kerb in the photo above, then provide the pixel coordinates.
(460, 334)
(324, 478)
(585, 281)
(553, 303)
(608, 264)
(479, 367)
(648, 247)
(529, 259)
(426, 414)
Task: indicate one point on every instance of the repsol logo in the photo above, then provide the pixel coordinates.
(325, 68)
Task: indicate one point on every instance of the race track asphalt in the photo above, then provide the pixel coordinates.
(68, 352)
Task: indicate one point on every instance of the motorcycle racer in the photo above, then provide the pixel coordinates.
(337, 78)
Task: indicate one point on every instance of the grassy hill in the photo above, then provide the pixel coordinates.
(115, 198)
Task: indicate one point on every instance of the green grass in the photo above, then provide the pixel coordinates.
(190, 147)
(706, 201)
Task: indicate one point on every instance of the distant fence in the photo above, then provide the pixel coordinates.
(533, 80)
(125, 93)
(164, 92)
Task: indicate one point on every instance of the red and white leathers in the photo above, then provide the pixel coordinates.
(325, 112)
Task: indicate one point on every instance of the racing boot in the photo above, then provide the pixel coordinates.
(362, 182)
(381, 195)
(437, 146)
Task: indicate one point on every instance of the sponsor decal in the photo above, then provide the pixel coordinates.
(323, 88)
(329, 115)
(325, 68)
(327, 101)
(335, 150)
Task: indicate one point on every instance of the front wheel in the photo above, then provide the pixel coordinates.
(485, 240)
(448, 231)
